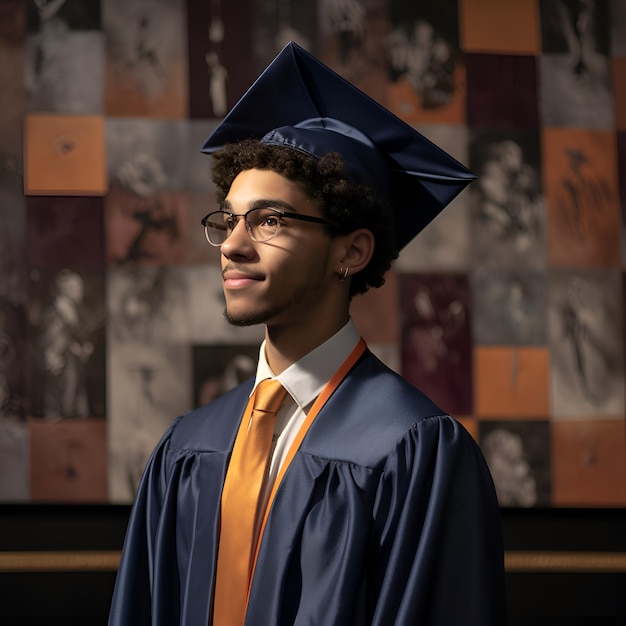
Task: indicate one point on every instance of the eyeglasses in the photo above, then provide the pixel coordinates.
(262, 224)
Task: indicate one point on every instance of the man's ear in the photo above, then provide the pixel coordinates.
(356, 251)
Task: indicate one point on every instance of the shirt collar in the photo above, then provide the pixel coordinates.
(305, 379)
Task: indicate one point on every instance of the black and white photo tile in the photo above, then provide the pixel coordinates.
(64, 67)
(508, 217)
(518, 455)
(509, 307)
(585, 315)
(574, 68)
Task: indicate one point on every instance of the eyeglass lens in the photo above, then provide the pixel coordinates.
(262, 225)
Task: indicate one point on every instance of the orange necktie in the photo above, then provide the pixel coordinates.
(244, 479)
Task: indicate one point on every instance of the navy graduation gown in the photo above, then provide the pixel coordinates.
(386, 515)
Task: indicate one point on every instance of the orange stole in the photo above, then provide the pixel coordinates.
(328, 391)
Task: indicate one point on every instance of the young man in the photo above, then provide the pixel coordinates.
(371, 506)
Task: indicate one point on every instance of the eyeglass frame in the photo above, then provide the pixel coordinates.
(280, 214)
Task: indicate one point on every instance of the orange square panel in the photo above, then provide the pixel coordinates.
(510, 27)
(511, 382)
(64, 155)
(582, 197)
(589, 462)
(68, 460)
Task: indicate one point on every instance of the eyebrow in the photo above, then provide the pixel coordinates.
(260, 204)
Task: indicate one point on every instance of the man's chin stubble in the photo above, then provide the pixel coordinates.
(241, 321)
(262, 317)
(249, 320)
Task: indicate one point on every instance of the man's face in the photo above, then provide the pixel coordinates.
(286, 280)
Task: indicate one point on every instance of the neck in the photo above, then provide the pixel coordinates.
(286, 345)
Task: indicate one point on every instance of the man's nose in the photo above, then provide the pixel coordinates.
(239, 241)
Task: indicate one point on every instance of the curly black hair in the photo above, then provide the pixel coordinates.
(347, 205)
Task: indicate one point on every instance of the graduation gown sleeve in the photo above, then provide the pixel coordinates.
(133, 597)
(166, 573)
(439, 558)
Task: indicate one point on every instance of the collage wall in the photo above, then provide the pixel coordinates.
(508, 310)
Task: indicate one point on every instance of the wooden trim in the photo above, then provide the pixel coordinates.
(514, 561)
(75, 561)
(575, 562)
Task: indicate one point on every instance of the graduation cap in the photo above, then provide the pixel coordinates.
(300, 103)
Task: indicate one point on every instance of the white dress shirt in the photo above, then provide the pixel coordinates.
(304, 380)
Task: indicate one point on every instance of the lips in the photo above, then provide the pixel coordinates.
(238, 279)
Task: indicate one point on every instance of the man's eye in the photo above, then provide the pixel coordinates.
(271, 221)
(230, 223)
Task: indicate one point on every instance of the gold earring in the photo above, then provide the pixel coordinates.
(343, 273)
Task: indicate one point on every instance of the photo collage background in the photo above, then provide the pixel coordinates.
(508, 310)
